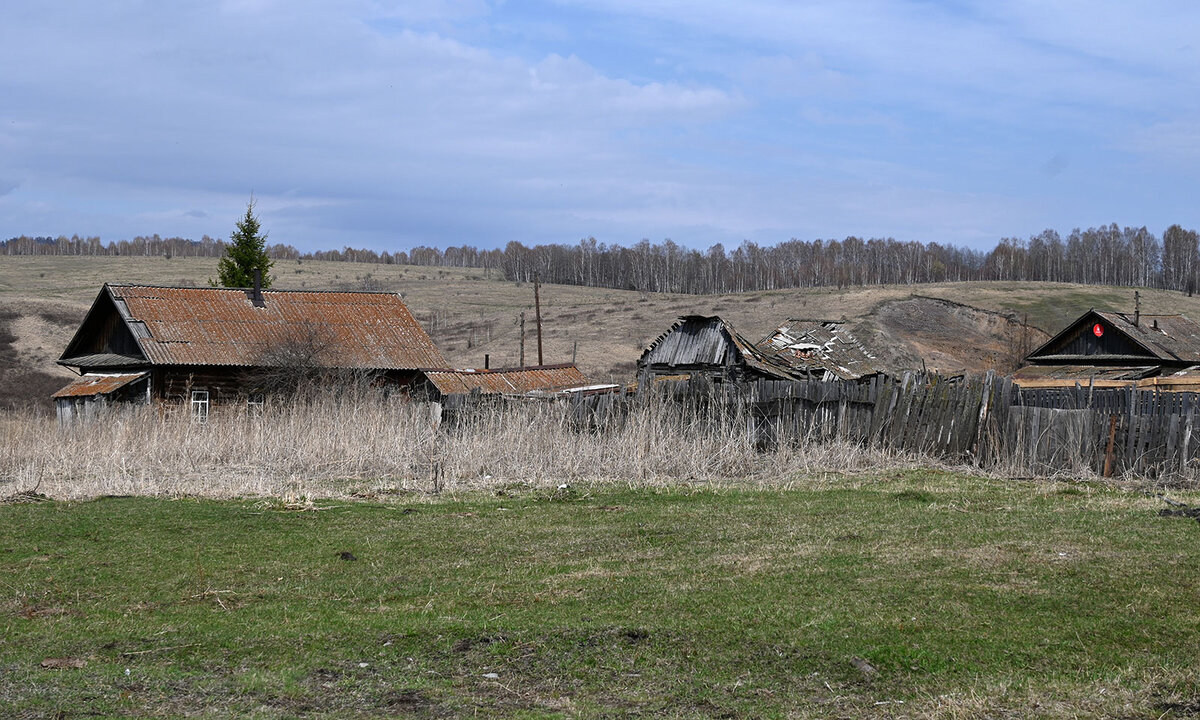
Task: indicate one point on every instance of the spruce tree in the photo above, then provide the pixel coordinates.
(246, 253)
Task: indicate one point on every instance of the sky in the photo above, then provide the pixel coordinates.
(388, 125)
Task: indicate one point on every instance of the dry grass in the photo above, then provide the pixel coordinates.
(333, 447)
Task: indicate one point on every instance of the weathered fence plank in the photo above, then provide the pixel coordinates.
(985, 420)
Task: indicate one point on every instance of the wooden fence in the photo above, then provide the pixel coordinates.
(985, 420)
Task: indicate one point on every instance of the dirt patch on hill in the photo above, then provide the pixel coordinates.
(950, 337)
(32, 335)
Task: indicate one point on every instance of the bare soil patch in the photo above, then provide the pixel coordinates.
(950, 337)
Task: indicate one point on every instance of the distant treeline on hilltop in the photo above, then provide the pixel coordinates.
(1105, 255)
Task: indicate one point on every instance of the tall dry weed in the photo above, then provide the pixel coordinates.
(334, 446)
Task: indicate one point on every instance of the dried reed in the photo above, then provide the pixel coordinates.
(333, 446)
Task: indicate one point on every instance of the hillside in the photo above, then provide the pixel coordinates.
(951, 326)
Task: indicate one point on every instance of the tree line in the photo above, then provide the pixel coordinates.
(1105, 255)
(142, 245)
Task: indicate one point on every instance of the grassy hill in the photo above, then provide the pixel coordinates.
(470, 313)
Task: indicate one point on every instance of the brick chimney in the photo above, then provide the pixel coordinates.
(257, 296)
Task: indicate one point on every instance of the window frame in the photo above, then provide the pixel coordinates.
(201, 404)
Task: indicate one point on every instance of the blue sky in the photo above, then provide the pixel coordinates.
(390, 125)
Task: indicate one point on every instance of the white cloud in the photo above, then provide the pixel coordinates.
(442, 120)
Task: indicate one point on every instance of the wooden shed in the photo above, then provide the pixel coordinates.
(708, 347)
(537, 380)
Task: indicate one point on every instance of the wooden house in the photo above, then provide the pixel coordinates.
(201, 347)
(1111, 349)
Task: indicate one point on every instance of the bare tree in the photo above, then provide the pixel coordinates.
(302, 364)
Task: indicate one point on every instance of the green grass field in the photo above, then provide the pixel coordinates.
(966, 597)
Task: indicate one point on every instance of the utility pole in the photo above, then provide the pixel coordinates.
(522, 338)
(537, 308)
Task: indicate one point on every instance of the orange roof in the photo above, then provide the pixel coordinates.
(507, 380)
(91, 385)
(221, 326)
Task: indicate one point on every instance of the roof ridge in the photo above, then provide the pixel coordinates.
(494, 371)
(246, 289)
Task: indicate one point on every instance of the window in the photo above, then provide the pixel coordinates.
(255, 403)
(200, 406)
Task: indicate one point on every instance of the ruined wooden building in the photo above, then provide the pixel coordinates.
(697, 346)
(1112, 349)
(821, 350)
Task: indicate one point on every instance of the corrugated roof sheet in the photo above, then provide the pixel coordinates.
(1170, 337)
(106, 360)
(91, 385)
(821, 347)
(220, 326)
(507, 381)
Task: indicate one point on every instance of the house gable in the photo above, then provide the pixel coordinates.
(104, 339)
(1096, 337)
(693, 342)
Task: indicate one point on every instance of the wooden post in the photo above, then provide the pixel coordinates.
(1108, 453)
(522, 338)
(537, 309)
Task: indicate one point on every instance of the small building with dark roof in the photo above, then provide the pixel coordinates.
(1111, 349)
(201, 345)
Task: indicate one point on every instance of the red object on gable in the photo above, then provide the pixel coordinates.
(1098, 330)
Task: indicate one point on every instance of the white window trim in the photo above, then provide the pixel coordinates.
(200, 406)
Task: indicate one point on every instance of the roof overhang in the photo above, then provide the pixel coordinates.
(93, 385)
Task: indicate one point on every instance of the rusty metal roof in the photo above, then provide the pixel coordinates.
(696, 341)
(820, 347)
(90, 385)
(221, 326)
(507, 381)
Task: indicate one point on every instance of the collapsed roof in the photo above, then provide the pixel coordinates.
(821, 348)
